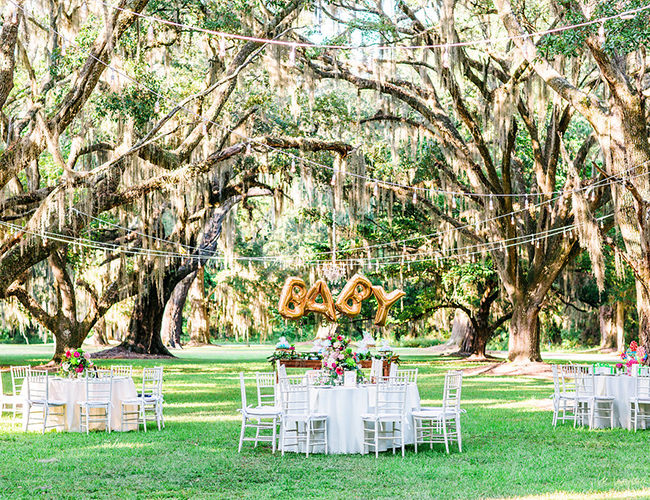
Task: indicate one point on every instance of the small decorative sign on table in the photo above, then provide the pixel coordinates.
(350, 379)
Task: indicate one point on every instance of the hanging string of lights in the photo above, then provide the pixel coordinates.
(626, 15)
(251, 140)
(295, 158)
(431, 236)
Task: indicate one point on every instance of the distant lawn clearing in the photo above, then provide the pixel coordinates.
(510, 449)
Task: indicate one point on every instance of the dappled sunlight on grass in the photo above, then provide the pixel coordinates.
(510, 449)
(561, 495)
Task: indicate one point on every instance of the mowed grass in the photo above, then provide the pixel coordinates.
(510, 449)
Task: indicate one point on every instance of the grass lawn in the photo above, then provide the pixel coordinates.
(510, 449)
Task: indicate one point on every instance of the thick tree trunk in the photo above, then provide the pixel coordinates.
(606, 319)
(643, 310)
(198, 324)
(146, 321)
(523, 345)
(99, 333)
(65, 339)
(172, 325)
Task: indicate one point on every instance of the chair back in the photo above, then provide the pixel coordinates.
(643, 383)
(391, 395)
(242, 388)
(282, 370)
(411, 374)
(103, 374)
(393, 370)
(295, 395)
(152, 381)
(584, 382)
(376, 369)
(265, 388)
(452, 391)
(18, 376)
(99, 389)
(556, 380)
(569, 375)
(38, 387)
(122, 371)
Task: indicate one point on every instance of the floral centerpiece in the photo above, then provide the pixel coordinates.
(337, 359)
(75, 363)
(634, 355)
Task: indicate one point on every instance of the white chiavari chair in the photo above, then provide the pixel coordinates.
(122, 371)
(38, 395)
(640, 400)
(300, 425)
(99, 393)
(386, 423)
(587, 404)
(149, 400)
(441, 424)
(261, 418)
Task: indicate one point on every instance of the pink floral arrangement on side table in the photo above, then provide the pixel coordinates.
(75, 363)
(633, 356)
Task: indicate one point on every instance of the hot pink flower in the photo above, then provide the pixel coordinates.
(67, 354)
(631, 362)
(340, 337)
(339, 370)
(79, 369)
(76, 354)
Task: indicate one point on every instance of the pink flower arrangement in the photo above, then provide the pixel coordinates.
(338, 358)
(75, 363)
(635, 355)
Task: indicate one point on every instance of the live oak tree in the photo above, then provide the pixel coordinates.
(499, 145)
(615, 51)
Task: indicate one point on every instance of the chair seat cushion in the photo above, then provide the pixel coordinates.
(48, 402)
(94, 404)
(434, 414)
(262, 411)
(380, 417)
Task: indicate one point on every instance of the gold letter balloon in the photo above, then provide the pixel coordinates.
(296, 300)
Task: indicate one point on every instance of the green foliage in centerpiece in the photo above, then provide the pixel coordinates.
(75, 364)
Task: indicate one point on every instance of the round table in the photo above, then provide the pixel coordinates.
(73, 391)
(622, 388)
(344, 407)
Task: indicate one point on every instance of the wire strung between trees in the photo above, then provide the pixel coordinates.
(431, 236)
(313, 163)
(292, 44)
(293, 157)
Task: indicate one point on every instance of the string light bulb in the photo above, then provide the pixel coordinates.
(415, 197)
(491, 203)
(205, 127)
(445, 57)
(601, 34)
(292, 56)
(222, 47)
(333, 181)
(376, 189)
(248, 149)
(453, 203)
(526, 205)
(512, 219)
(156, 107)
(293, 165)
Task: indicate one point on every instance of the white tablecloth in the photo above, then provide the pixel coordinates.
(622, 387)
(73, 391)
(344, 407)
